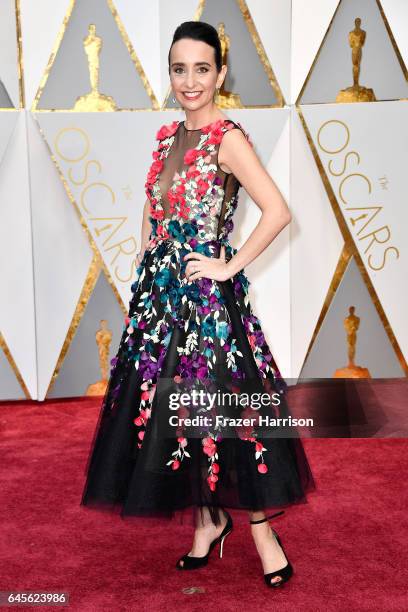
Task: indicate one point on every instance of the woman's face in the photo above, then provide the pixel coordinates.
(193, 70)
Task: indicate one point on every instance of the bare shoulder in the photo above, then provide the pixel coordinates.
(236, 149)
(235, 133)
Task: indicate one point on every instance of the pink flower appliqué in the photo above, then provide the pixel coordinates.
(213, 127)
(167, 130)
(210, 449)
(146, 399)
(216, 136)
(259, 447)
(191, 155)
(179, 454)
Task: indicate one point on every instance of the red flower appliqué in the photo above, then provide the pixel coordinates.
(191, 156)
(259, 449)
(179, 454)
(210, 449)
(167, 130)
(247, 433)
(146, 400)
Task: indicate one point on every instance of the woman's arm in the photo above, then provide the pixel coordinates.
(237, 155)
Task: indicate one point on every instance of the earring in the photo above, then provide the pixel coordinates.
(174, 100)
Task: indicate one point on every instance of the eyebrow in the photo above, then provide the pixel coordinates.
(196, 64)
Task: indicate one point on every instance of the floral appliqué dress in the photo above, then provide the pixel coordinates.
(178, 331)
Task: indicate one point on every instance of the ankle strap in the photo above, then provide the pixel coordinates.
(267, 518)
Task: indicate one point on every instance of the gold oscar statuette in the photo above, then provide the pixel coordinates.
(351, 325)
(103, 339)
(224, 98)
(356, 93)
(94, 101)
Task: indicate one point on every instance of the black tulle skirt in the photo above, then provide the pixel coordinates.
(133, 474)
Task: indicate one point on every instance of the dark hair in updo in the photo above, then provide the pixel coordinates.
(199, 30)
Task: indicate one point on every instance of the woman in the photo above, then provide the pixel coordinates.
(190, 319)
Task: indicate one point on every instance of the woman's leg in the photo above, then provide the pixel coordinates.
(271, 554)
(205, 532)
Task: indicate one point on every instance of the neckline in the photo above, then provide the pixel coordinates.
(183, 123)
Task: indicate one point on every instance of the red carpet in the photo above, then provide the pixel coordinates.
(348, 545)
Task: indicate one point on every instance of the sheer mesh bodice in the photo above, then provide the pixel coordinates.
(184, 140)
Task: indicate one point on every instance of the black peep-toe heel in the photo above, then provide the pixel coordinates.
(196, 562)
(285, 572)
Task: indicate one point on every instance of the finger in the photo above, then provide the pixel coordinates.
(190, 268)
(194, 264)
(193, 267)
(222, 252)
(193, 255)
